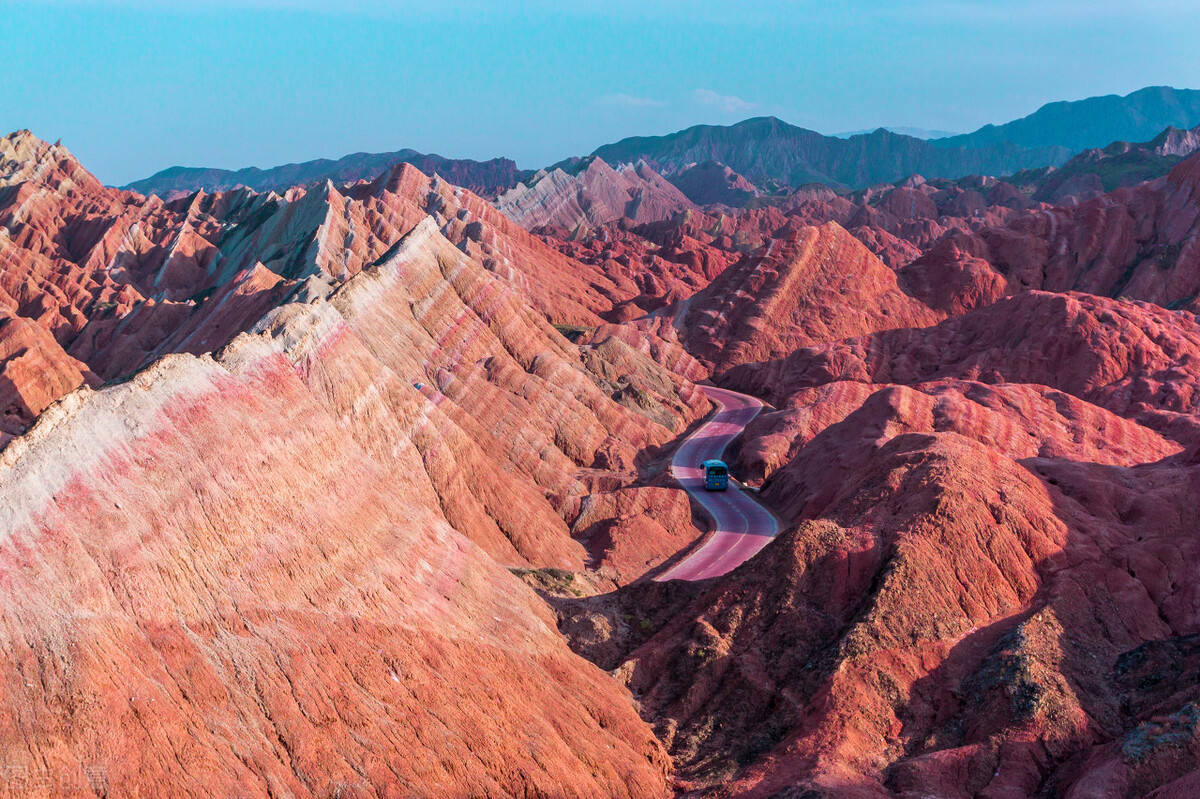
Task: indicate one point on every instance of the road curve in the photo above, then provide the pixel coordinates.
(743, 526)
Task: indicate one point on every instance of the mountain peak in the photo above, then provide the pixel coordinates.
(26, 158)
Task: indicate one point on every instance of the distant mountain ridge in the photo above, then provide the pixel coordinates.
(773, 154)
(767, 150)
(482, 177)
(1093, 122)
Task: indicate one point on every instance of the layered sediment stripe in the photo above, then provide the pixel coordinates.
(78, 433)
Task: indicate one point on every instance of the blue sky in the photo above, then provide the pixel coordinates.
(133, 86)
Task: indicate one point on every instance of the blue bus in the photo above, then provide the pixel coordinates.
(716, 475)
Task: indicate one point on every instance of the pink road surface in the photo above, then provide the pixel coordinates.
(742, 526)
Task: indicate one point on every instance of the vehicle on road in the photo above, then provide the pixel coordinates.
(741, 526)
(716, 475)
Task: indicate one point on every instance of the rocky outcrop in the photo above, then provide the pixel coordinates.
(630, 531)
(656, 264)
(34, 372)
(24, 158)
(589, 194)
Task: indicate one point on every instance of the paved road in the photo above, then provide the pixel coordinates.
(743, 526)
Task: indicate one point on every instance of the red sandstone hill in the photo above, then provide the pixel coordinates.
(656, 264)
(818, 284)
(659, 263)
(1128, 357)
(264, 595)
(34, 373)
(958, 244)
(118, 280)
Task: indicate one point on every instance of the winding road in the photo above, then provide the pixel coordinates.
(743, 526)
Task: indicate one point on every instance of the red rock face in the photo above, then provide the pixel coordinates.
(629, 531)
(1134, 359)
(24, 158)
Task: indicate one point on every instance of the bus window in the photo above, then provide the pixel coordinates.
(716, 475)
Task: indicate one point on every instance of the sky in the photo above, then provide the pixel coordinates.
(135, 86)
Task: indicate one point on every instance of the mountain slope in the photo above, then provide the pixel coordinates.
(118, 281)
(240, 589)
(1138, 242)
(1093, 122)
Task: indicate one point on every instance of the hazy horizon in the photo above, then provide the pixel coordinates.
(133, 87)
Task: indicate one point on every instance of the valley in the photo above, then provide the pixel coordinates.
(381, 476)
